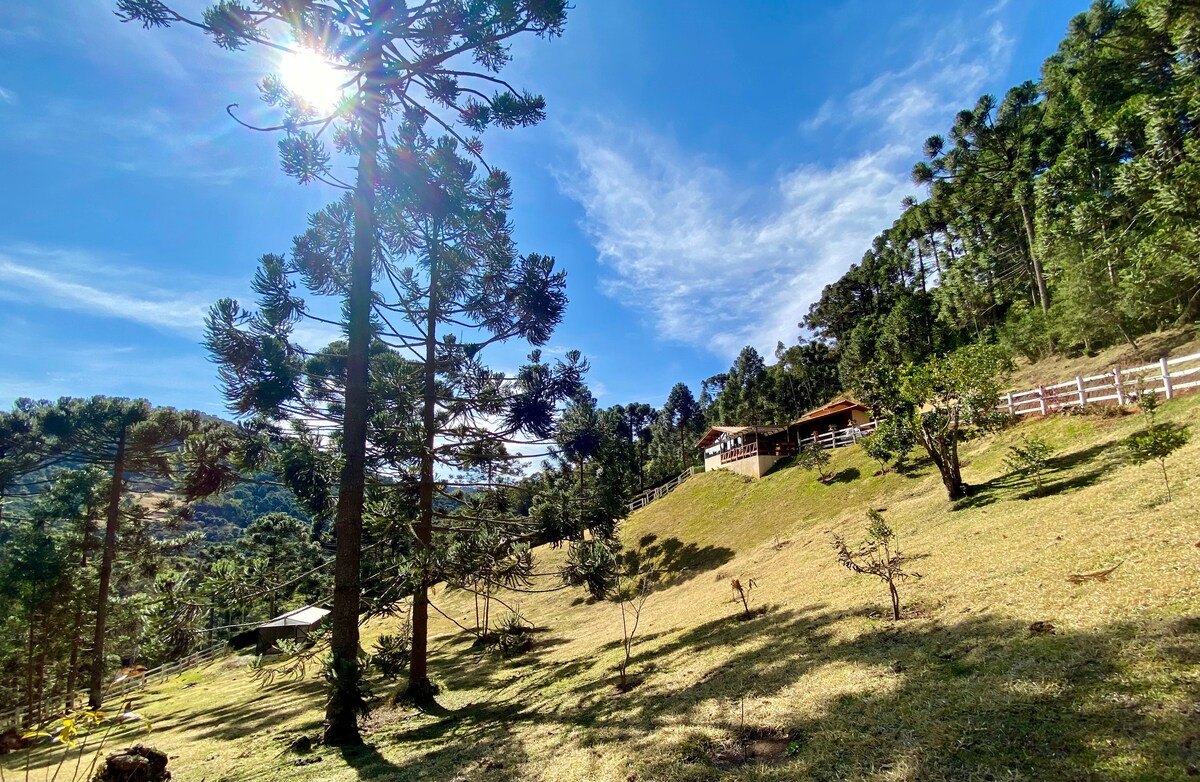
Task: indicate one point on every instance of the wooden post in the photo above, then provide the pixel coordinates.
(1120, 386)
(1042, 398)
(1082, 392)
(1168, 390)
(1011, 409)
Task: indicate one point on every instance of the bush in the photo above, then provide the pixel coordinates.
(390, 656)
(813, 457)
(1030, 458)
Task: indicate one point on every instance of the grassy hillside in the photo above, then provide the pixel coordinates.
(820, 685)
(1058, 367)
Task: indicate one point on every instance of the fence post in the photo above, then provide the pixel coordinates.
(1120, 386)
(1042, 398)
(1082, 393)
(1168, 391)
(1011, 410)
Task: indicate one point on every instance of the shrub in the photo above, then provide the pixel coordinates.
(813, 457)
(1157, 441)
(390, 656)
(1030, 458)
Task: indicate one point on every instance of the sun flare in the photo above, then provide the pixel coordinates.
(312, 78)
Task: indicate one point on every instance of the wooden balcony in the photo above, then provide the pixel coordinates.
(758, 449)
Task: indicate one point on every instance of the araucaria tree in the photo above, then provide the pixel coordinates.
(877, 556)
(132, 442)
(410, 64)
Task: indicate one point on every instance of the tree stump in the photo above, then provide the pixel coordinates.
(135, 764)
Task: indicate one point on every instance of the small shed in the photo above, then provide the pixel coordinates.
(839, 414)
(292, 626)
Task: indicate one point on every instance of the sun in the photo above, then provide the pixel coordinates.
(310, 77)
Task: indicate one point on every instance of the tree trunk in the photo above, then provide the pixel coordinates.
(112, 519)
(420, 689)
(30, 699)
(895, 601)
(341, 723)
(1038, 278)
(947, 464)
(77, 622)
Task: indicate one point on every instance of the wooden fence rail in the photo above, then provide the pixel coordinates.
(1167, 376)
(650, 495)
(19, 716)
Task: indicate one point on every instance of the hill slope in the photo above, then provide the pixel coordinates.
(819, 686)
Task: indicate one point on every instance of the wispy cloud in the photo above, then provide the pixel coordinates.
(946, 75)
(714, 263)
(82, 282)
(715, 275)
(7, 96)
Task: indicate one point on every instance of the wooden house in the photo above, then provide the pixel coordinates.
(749, 450)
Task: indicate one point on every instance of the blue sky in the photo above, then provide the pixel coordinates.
(706, 168)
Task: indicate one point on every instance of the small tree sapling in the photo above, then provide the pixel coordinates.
(1157, 441)
(877, 556)
(631, 593)
(891, 442)
(742, 592)
(813, 457)
(1030, 458)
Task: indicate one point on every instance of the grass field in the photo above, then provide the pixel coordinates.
(820, 685)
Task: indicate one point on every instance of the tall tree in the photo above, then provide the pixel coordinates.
(134, 443)
(413, 62)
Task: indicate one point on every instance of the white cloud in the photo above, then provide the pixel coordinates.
(7, 96)
(707, 272)
(717, 264)
(81, 282)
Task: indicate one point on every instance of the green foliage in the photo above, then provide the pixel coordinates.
(511, 636)
(813, 457)
(1058, 218)
(950, 398)
(891, 441)
(1157, 441)
(390, 655)
(1030, 458)
(592, 564)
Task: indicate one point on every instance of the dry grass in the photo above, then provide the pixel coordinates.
(821, 685)
(1059, 368)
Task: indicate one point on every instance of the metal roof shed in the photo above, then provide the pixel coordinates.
(294, 626)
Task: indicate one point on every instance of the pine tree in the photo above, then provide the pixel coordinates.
(410, 63)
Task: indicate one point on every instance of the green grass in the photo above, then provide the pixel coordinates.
(821, 685)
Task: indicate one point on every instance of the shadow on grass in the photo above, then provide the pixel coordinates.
(1066, 473)
(845, 476)
(672, 560)
(974, 699)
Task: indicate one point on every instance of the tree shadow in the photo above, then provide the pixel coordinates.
(1078, 469)
(671, 560)
(845, 476)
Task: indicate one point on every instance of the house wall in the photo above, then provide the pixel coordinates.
(754, 466)
(712, 462)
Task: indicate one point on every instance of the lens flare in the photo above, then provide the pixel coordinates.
(310, 77)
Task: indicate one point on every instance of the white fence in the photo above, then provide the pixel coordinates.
(19, 716)
(1168, 377)
(650, 495)
(843, 437)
